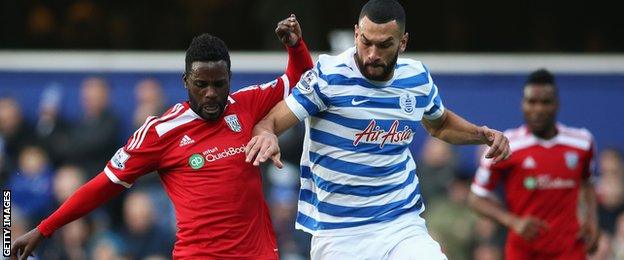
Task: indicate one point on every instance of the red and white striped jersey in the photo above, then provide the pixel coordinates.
(541, 178)
(217, 196)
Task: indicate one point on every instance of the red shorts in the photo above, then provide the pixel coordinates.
(516, 253)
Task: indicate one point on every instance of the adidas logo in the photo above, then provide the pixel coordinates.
(529, 163)
(186, 141)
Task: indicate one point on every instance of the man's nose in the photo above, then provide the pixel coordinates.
(210, 92)
(373, 55)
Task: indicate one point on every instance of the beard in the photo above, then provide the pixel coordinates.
(387, 69)
(200, 110)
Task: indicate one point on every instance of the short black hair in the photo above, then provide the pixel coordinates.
(207, 47)
(542, 77)
(383, 11)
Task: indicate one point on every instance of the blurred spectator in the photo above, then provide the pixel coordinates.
(107, 246)
(605, 249)
(149, 101)
(51, 130)
(14, 131)
(487, 251)
(31, 184)
(70, 244)
(94, 139)
(41, 26)
(451, 221)
(618, 238)
(67, 180)
(282, 198)
(436, 169)
(75, 237)
(141, 236)
(19, 224)
(610, 189)
(84, 25)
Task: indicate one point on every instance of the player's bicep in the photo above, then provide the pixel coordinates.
(282, 117)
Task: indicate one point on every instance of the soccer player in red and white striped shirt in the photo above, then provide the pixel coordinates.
(197, 149)
(547, 173)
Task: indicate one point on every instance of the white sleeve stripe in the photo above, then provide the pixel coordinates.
(144, 133)
(479, 191)
(138, 132)
(286, 85)
(111, 176)
(297, 109)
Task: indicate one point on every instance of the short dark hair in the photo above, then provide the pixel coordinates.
(542, 77)
(383, 11)
(207, 47)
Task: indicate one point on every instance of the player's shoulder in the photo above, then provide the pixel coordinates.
(409, 66)
(336, 64)
(520, 138)
(577, 137)
(155, 128)
(576, 132)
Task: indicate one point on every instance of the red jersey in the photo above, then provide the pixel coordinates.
(217, 196)
(541, 178)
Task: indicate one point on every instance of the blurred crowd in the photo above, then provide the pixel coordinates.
(441, 26)
(43, 162)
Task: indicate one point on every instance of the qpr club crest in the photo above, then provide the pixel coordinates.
(232, 122)
(571, 159)
(407, 103)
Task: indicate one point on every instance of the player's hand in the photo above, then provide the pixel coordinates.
(24, 245)
(262, 147)
(289, 30)
(590, 234)
(528, 227)
(498, 143)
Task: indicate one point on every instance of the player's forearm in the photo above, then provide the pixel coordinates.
(453, 129)
(88, 197)
(279, 119)
(299, 61)
(589, 197)
(490, 209)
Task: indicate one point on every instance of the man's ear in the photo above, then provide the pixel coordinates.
(184, 80)
(403, 43)
(356, 32)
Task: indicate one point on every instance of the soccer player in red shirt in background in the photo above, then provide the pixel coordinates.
(197, 149)
(548, 171)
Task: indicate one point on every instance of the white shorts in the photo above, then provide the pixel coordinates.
(396, 242)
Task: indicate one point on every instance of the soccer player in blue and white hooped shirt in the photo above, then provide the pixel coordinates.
(360, 196)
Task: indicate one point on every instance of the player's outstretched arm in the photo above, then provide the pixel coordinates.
(454, 129)
(264, 144)
(527, 227)
(88, 197)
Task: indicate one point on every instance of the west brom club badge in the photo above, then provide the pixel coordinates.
(232, 121)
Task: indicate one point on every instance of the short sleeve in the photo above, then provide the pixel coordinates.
(487, 177)
(307, 98)
(434, 108)
(138, 157)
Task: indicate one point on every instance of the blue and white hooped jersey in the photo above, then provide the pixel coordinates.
(356, 169)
